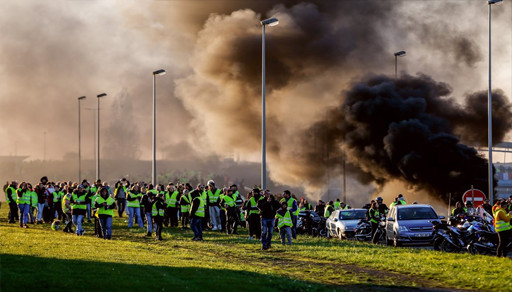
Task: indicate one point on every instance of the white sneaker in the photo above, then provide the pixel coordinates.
(219, 227)
(214, 228)
(250, 237)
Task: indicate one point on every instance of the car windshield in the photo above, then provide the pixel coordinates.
(416, 213)
(352, 214)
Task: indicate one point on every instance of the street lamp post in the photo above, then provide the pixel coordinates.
(98, 144)
(489, 106)
(153, 169)
(269, 22)
(398, 54)
(79, 141)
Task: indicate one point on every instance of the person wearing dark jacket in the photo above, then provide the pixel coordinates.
(10, 195)
(147, 202)
(268, 208)
(196, 214)
(158, 212)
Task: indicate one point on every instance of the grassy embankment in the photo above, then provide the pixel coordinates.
(39, 258)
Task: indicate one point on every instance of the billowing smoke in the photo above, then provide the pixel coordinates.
(407, 129)
(312, 55)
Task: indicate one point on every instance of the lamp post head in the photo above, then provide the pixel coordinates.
(490, 2)
(400, 54)
(81, 97)
(159, 72)
(270, 22)
(101, 95)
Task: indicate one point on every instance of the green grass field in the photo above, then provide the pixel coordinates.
(39, 258)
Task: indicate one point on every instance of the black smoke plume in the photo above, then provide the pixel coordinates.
(409, 128)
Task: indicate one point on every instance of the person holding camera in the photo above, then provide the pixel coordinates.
(120, 190)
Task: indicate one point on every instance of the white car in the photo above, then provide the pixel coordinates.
(343, 223)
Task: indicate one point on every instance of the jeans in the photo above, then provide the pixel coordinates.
(23, 213)
(148, 218)
(195, 225)
(40, 208)
(215, 216)
(134, 211)
(267, 227)
(77, 220)
(106, 227)
(121, 205)
(89, 212)
(286, 231)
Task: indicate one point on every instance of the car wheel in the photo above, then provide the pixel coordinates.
(340, 234)
(396, 243)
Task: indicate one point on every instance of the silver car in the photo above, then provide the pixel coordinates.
(410, 224)
(343, 223)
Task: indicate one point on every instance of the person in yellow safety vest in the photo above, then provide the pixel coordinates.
(337, 204)
(232, 218)
(374, 218)
(10, 197)
(33, 204)
(214, 205)
(157, 213)
(97, 225)
(329, 209)
(66, 209)
(172, 204)
(105, 206)
(57, 202)
(79, 203)
(253, 214)
(293, 208)
(503, 228)
(185, 205)
(23, 200)
(133, 197)
(284, 223)
(197, 214)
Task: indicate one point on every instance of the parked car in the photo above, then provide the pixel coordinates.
(343, 223)
(411, 224)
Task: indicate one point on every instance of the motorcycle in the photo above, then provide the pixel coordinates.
(363, 231)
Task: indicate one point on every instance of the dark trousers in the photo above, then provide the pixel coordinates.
(374, 229)
(121, 205)
(254, 225)
(505, 237)
(60, 214)
(223, 219)
(13, 212)
(173, 216)
(196, 226)
(184, 219)
(69, 220)
(232, 220)
(159, 220)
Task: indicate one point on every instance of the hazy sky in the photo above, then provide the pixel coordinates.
(209, 102)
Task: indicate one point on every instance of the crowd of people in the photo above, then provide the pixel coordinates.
(70, 204)
(204, 207)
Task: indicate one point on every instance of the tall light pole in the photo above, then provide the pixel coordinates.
(153, 169)
(489, 106)
(79, 141)
(269, 22)
(398, 54)
(98, 133)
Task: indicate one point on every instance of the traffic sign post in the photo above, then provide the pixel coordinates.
(477, 197)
